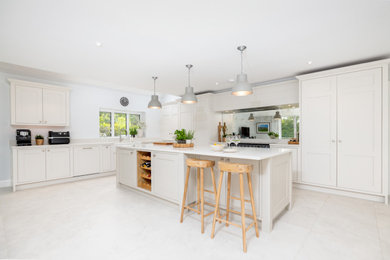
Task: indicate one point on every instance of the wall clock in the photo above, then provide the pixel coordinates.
(124, 101)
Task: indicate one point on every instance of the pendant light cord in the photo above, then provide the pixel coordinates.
(154, 88)
(189, 77)
(242, 64)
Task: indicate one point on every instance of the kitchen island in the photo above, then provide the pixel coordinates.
(160, 171)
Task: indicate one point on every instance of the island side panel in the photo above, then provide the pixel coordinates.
(276, 188)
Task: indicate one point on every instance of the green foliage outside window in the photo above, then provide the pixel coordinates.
(120, 124)
(105, 123)
(288, 127)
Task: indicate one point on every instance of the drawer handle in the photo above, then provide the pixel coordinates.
(87, 148)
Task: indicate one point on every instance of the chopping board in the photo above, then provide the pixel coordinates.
(163, 143)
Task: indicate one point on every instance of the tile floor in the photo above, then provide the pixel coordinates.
(94, 219)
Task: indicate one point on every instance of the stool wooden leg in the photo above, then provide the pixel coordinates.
(217, 203)
(185, 194)
(215, 186)
(229, 183)
(243, 211)
(202, 198)
(198, 186)
(252, 203)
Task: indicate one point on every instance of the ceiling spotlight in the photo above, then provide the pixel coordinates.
(217, 83)
(99, 44)
(251, 117)
(277, 116)
(309, 62)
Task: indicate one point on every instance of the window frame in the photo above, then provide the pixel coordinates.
(120, 111)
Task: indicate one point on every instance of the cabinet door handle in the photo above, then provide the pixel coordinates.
(339, 141)
(43, 151)
(154, 155)
(87, 148)
(48, 150)
(333, 141)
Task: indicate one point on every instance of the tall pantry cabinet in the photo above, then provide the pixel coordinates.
(344, 128)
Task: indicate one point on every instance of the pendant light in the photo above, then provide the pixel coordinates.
(251, 117)
(154, 102)
(189, 96)
(242, 86)
(277, 116)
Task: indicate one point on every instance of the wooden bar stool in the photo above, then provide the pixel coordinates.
(240, 169)
(200, 165)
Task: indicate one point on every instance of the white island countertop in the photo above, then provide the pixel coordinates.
(242, 153)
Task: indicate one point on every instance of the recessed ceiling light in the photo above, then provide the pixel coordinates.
(231, 80)
(98, 44)
(309, 62)
(217, 83)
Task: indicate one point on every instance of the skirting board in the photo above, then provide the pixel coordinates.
(357, 195)
(59, 181)
(5, 183)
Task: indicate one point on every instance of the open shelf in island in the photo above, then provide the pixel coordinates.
(144, 173)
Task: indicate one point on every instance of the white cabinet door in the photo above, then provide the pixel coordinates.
(55, 107)
(318, 131)
(31, 165)
(165, 167)
(106, 157)
(57, 163)
(359, 130)
(127, 167)
(27, 105)
(86, 160)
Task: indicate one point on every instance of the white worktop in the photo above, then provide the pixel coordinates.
(243, 153)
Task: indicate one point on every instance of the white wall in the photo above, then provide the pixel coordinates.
(85, 102)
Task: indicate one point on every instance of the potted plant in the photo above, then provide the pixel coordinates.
(39, 140)
(273, 135)
(181, 136)
(133, 130)
(190, 136)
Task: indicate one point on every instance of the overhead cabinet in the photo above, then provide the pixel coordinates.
(344, 129)
(39, 104)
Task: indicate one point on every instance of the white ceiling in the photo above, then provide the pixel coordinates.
(145, 38)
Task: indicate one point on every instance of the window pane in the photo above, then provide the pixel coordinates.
(120, 124)
(134, 119)
(105, 123)
(288, 127)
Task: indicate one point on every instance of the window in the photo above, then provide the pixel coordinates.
(105, 123)
(115, 123)
(120, 124)
(290, 126)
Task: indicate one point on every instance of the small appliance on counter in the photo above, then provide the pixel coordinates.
(59, 137)
(23, 137)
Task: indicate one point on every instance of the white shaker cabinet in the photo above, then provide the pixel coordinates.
(108, 160)
(31, 165)
(127, 167)
(27, 105)
(58, 163)
(165, 169)
(55, 107)
(318, 131)
(344, 128)
(359, 130)
(86, 159)
(38, 104)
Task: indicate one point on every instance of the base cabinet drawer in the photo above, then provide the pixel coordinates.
(31, 166)
(58, 163)
(86, 160)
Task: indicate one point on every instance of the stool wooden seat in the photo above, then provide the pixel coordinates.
(200, 165)
(241, 169)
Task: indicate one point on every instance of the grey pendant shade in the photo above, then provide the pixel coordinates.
(189, 95)
(251, 117)
(242, 87)
(277, 116)
(154, 102)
